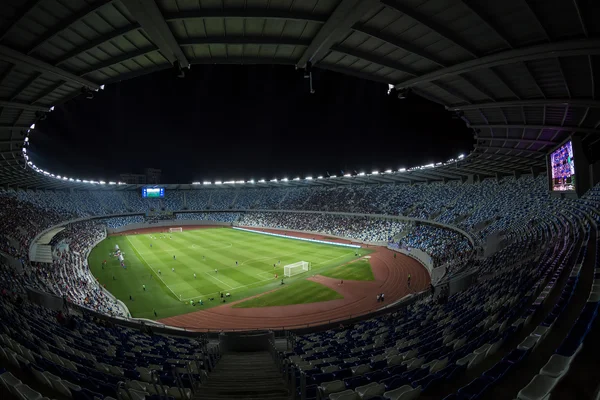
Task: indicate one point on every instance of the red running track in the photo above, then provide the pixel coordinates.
(359, 298)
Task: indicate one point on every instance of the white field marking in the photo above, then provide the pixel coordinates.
(195, 246)
(250, 284)
(263, 274)
(152, 269)
(214, 277)
(188, 247)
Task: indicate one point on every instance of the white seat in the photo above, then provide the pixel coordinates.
(478, 357)
(137, 385)
(371, 390)
(9, 381)
(529, 342)
(440, 365)
(330, 368)
(405, 392)
(556, 366)
(360, 369)
(327, 388)
(24, 392)
(177, 394)
(395, 360)
(482, 349)
(539, 388)
(465, 360)
(41, 378)
(61, 386)
(494, 347)
(345, 395)
(145, 374)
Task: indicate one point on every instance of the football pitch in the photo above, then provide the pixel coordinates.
(165, 264)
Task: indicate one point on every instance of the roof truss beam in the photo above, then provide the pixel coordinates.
(433, 26)
(92, 44)
(244, 40)
(66, 24)
(346, 14)
(374, 59)
(147, 13)
(524, 126)
(20, 14)
(565, 48)
(533, 152)
(22, 106)
(12, 56)
(246, 14)
(117, 60)
(528, 103)
(13, 127)
(525, 161)
(487, 21)
(399, 43)
(516, 140)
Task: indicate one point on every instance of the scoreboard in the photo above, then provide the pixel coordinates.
(153, 193)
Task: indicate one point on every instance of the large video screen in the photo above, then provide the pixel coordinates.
(562, 166)
(153, 193)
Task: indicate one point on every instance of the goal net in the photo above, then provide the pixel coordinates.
(295, 268)
(175, 230)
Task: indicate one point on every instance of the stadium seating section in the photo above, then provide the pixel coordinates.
(517, 302)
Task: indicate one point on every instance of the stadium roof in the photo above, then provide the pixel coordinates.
(522, 73)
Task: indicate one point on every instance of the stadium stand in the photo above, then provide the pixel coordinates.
(522, 74)
(426, 348)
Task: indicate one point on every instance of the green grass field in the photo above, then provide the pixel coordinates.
(359, 270)
(200, 252)
(300, 292)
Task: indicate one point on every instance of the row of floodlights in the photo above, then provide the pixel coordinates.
(310, 178)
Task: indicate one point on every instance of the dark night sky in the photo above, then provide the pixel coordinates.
(244, 122)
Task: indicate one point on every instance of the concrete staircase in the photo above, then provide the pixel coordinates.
(248, 376)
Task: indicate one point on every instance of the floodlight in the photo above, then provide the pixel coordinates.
(27, 139)
(77, 180)
(402, 170)
(102, 183)
(65, 178)
(206, 182)
(375, 173)
(275, 180)
(52, 108)
(320, 177)
(347, 175)
(112, 183)
(308, 178)
(218, 183)
(460, 157)
(32, 126)
(228, 182)
(361, 174)
(71, 179)
(29, 163)
(251, 181)
(240, 182)
(24, 150)
(296, 178)
(390, 88)
(59, 176)
(101, 87)
(333, 176)
(388, 171)
(261, 181)
(283, 180)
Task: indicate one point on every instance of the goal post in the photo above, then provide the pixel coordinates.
(296, 268)
(171, 230)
